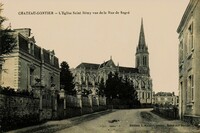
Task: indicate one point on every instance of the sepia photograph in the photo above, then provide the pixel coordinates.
(117, 66)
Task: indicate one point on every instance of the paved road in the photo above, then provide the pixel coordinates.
(117, 121)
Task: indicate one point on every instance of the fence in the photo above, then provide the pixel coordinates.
(170, 112)
(71, 106)
(18, 110)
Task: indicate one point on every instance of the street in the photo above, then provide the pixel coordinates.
(115, 121)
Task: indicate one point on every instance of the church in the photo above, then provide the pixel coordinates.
(87, 76)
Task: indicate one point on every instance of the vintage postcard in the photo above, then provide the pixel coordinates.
(99, 66)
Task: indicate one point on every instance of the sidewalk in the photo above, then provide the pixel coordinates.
(56, 125)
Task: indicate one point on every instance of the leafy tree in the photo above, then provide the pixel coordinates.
(112, 86)
(7, 41)
(66, 79)
(128, 93)
(118, 88)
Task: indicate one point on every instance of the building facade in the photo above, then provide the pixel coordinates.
(29, 62)
(166, 98)
(34, 69)
(89, 75)
(189, 62)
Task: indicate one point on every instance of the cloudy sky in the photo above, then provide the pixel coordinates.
(93, 37)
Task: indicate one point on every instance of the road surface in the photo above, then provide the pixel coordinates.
(116, 121)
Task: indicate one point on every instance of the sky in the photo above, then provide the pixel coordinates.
(110, 28)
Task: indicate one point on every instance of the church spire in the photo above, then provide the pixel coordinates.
(142, 37)
(142, 54)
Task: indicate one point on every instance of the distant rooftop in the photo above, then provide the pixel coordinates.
(93, 66)
(165, 94)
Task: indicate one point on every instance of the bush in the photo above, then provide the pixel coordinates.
(13, 122)
(12, 92)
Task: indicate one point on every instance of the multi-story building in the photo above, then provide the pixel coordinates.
(189, 62)
(89, 75)
(165, 98)
(29, 62)
(32, 68)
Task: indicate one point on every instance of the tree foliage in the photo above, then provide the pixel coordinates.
(7, 40)
(101, 88)
(2, 19)
(66, 79)
(118, 88)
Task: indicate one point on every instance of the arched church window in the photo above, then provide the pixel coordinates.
(143, 84)
(144, 60)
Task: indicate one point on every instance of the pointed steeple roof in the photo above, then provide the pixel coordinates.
(142, 37)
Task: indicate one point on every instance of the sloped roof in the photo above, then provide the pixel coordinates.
(88, 66)
(186, 15)
(128, 69)
(108, 63)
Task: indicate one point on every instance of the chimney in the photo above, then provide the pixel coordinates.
(26, 32)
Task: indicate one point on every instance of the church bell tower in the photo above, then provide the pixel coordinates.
(142, 54)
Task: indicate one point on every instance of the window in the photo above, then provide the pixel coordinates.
(31, 76)
(52, 59)
(190, 89)
(142, 84)
(31, 48)
(191, 79)
(138, 62)
(144, 61)
(186, 45)
(190, 28)
(142, 95)
(51, 79)
(190, 37)
(148, 95)
(181, 51)
(186, 91)
(181, 90)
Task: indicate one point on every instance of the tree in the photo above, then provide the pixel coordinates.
(129, 94)
(122, 89)
(112, 86)
(66, 79)
(2, 19)
(7, 40)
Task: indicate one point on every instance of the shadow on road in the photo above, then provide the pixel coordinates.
(60, 125)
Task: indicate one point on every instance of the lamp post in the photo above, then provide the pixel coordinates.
(62, 92)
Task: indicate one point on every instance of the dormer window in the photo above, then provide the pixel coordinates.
(31, 48)
(52, 59)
